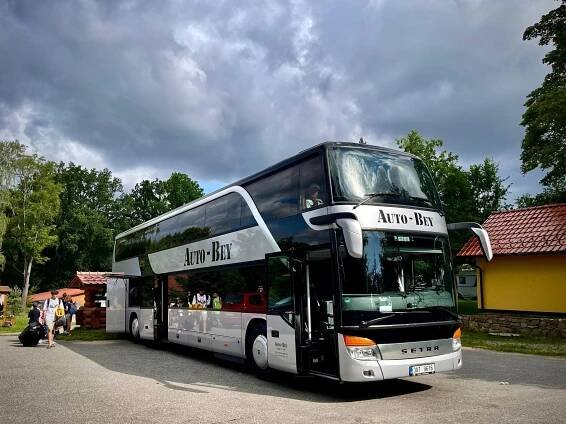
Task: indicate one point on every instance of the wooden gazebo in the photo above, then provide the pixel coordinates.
(93, 313)
(4, 293)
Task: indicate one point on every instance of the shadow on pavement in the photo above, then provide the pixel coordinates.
(192, 370)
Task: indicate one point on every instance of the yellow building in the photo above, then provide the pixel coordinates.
(528, 269)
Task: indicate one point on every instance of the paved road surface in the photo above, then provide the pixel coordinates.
(118, 381)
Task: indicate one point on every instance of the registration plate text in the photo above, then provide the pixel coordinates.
(421, 369)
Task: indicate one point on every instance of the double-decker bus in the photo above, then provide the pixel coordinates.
(334, 262)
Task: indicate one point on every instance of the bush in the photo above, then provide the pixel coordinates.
(15, 301)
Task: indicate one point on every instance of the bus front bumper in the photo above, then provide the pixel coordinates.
(354, 370)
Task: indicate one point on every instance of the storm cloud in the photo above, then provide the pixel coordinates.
(221, 89)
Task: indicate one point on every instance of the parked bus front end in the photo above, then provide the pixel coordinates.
(397, 295)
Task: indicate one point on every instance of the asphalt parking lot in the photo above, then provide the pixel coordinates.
(118, 381)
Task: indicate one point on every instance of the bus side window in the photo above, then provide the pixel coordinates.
(312, 187)
(247, 219)
(223, 214)
(276, 196)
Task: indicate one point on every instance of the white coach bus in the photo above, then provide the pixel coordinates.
(334, 262)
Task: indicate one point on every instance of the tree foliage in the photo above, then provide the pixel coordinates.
(84, 228)
(10, 152)
(34, 206)
(544, 144)
(62, 218)
(467, 195)
(489, 190)
(149, 199)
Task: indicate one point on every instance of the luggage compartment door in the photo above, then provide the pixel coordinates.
(116, 305)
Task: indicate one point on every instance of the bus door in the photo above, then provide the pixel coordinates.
(295, 343)
(160, 309)
(281, 314)
(314, 293)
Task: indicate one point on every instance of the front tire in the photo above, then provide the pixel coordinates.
(256, 350)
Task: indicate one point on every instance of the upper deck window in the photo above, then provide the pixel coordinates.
(358, 173)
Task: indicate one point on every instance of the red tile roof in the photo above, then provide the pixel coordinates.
(87, 278)
(40, 297)
(540, 229)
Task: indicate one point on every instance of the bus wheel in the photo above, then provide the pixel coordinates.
(256, 349)
(135, 329)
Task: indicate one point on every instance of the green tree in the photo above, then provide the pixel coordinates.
(180, 190)
(10, 153)
(149, 199)
(544, 144)
(467, 195)
(450, 179)
(84, 230)
(15, 300)
(488, 189)
(34, 205)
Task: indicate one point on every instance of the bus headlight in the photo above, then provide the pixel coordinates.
(363, 353)
(456, 340)
(361, 348)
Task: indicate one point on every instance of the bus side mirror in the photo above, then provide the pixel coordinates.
(352, 231)
(479, 232)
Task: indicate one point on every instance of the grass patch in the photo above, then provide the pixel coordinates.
(89, 335)
(21, 322)
(467, 307)
(548, 346)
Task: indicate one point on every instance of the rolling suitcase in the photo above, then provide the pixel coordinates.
(31, 334)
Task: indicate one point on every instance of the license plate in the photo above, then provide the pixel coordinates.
(421, 369)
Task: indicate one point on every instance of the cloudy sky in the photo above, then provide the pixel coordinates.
(220, 89)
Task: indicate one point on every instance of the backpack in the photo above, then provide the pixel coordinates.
(60, 310)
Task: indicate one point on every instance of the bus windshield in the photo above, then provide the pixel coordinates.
(357, 174)
(398, 272)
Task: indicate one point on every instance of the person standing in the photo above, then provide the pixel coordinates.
(70, 312)
(201, 300)
(49, 315)
(216, 302)
(34, 313)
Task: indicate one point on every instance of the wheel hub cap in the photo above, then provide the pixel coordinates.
(259, 349)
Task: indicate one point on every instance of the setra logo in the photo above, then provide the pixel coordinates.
(420, 349)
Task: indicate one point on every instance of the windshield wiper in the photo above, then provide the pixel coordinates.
(372, 195)
(440, 308)
(430, 309)
(390, 193)
(366, 324)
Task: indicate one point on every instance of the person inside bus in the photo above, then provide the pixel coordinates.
(201, 300)
(312, 198)
(216, 301)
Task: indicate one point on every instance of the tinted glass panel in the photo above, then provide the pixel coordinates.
(226, 214)
(223, 214)
(229, 286)
(135, 244)
(247, 219)
(277, 196)
(280, 298)
(398, 272)
(140, 292)
(313, 188)
(181, 229)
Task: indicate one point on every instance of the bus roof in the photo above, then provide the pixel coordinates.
(273, 168)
